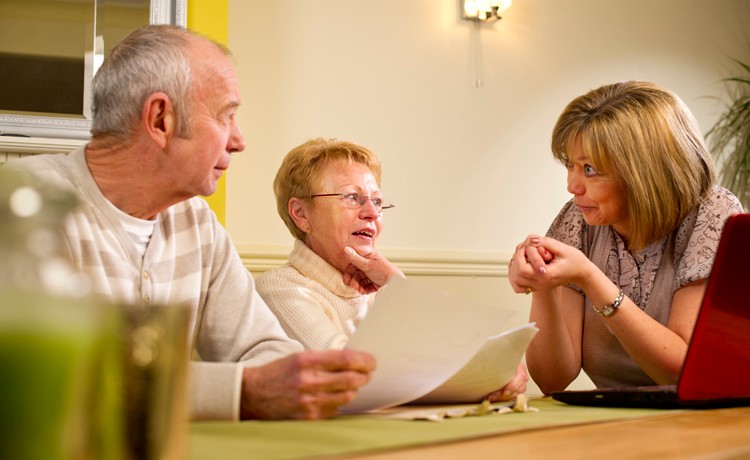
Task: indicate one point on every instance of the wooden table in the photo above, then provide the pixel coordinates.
(706, 434)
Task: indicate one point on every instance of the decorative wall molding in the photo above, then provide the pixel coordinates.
(413, 262)
(31, 145)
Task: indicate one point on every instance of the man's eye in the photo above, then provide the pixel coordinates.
(377, 201)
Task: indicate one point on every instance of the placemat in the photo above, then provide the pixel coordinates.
(351, 434)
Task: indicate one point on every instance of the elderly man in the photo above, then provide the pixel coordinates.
(163, 132)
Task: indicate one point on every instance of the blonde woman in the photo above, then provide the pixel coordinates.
(618, 279)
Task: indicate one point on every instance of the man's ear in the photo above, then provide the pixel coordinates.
(159, 118)
(297, 209)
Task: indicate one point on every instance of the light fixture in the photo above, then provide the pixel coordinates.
(483, 10)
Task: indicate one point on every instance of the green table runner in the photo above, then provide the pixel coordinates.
(366, 433)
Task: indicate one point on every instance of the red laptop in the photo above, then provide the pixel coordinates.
(716, 372)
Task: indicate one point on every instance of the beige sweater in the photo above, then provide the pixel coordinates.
(311, 301)
(190, 261)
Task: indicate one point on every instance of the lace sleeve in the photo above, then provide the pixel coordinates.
(568, 227)
(698, 236)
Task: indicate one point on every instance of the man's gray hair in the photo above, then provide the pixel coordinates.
(151, 59)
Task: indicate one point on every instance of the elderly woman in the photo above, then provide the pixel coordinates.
(619, 278)
(328, 195)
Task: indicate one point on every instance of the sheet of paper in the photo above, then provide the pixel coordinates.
(493, 366)
(420, 336)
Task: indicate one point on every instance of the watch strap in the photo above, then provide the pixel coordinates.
(608, 310)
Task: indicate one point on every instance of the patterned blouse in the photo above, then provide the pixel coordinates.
(649, 277)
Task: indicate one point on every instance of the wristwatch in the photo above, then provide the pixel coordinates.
(608, 310)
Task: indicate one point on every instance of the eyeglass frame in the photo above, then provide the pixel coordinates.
(362, 199)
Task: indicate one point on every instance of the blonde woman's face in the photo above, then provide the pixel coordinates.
(598, 196)
(335, 223)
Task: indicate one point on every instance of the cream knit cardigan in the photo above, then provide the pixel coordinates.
(311, 301)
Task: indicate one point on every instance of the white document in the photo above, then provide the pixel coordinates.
(491, 368)
(420, 337)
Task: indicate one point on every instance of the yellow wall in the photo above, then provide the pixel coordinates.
(210, 17)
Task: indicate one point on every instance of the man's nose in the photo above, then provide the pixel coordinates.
(236, 142)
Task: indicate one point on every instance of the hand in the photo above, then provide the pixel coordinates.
(543, 263)
(307, 385)
(515, 387)
(529, 259)
(369, 273)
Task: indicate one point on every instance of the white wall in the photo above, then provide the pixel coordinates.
(469, 167)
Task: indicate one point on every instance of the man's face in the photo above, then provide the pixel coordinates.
(201, 158)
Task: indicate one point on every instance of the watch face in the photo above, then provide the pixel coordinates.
(605, 310)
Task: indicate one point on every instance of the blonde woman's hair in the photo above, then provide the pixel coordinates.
(299, 173)
(647, 138)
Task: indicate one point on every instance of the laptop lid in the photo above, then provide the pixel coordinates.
(717, 364)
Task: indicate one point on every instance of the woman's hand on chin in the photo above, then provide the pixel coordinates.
(368, 273)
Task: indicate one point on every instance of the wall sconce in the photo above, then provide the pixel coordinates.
(480, 12)
(483, 10)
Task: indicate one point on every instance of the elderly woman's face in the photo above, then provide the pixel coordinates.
(335, 223)
(597, 195)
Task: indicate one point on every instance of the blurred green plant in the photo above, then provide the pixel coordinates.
(729, 137)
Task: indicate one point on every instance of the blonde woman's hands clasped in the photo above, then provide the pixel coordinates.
(543, 263)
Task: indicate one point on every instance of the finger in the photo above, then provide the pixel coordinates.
(322, 405)
(516, 385)
(353, 281)
(357, 279)
(495, 396)
(519, 257)
(500, 395)
(536, 260)
(355, 259)
(331, 401)
(349, 274)
(552, 245)
(546, 254)
(338, 360)
(367, 287)
(320, 381)
(521, 378)
(364, 284)
(516, 265)
(521, 283)
(364, 289)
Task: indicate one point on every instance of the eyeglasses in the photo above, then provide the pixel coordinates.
(356, 200)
